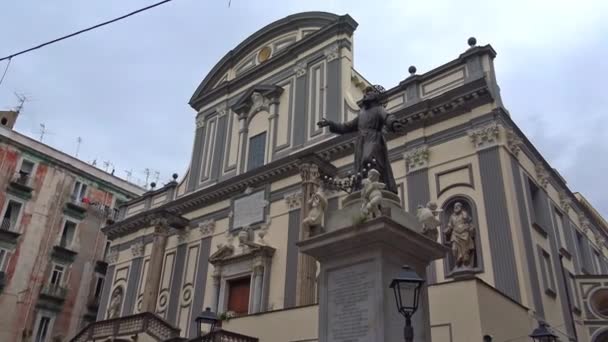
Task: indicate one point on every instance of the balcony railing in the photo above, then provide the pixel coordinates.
(6, 224)
(54, 291)
(224, 336)
(22, 178)
(142, 323)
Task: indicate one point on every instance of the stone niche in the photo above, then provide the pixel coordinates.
(476, 265)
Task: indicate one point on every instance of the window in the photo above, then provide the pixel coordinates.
(559, 224)
(11, 215)
(547, 272)
(537, 208)
(257, 148)
(25, 171)
(57, 275)
(597, 262)
(238, 296)
(67, 235)
(3, 258)
(43, 329)
(574, 293)
(580, 244)
(106, 250)
(79, 191)
(98, 288)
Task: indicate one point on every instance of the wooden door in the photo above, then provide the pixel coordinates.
(238, 297)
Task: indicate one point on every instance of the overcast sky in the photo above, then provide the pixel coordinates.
(124, 88)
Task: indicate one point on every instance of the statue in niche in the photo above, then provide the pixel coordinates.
(317, 206)
(115, 303)
(460, 233)
(371, 194)
(427, 216)
(370, 147)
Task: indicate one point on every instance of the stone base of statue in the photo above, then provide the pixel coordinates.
(358, 261)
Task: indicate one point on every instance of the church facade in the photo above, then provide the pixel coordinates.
(524, 247)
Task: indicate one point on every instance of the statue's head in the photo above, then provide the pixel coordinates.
(373, 175)
(372, 95)
(457, 207)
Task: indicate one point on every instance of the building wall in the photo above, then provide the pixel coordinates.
(31, 258)
(467, 149)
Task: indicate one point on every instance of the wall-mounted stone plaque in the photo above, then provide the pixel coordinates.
(350, 307)
(249, 209)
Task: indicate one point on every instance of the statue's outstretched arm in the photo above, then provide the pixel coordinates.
(340, 128)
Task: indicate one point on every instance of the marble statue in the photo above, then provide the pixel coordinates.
(370, 147)
(371, 194)
(427, 216)
(460, 232)
(317, 205)
(115, 303)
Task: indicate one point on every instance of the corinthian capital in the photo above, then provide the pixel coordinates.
(417, 158)
(310, 173)
(485, 136)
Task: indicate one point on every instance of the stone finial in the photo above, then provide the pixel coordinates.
(514, 142)
(485, 136)
(541, 175)
(137, 249)
(300, 69)
(174, 176)
(293, 200)
(417, 158)
(472, 41)
(332, 52)
(412, 70)
(207, 227)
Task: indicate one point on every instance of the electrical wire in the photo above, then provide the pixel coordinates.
(5, 70)
(9, 57)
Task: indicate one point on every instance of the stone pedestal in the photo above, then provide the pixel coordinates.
(358, 262)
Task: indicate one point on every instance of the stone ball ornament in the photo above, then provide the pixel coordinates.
(472, 41)
(412, 70)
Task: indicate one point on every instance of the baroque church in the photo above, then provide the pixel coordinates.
(522, 245)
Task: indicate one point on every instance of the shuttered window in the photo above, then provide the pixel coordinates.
(257, 147)
(238, 296)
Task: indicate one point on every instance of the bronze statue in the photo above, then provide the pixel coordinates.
(370, 147)
(461, 233)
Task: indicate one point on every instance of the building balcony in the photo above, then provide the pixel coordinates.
(7, 232)
(75, 207)
(20, 185)
(101, 267)
(64, 253)
(93, 304)
(55, 293)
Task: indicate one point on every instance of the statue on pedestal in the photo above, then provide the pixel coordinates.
(317, 205)
(371, 194)
(370, 147)
(460, 232)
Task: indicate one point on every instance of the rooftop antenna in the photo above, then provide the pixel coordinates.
(129, 174)
(156, 176)
(78, 142)
(147, 173)
(42, 131)
(22, 99)
(106, 165)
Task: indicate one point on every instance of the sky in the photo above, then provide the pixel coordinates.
(124, 88)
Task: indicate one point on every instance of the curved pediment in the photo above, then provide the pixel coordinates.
(263, 46)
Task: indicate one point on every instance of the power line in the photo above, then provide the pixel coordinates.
(9, 57)
(5, 70)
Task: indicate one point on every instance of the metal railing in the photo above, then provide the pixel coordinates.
(6, 224)
(54, 291)
(225, 336)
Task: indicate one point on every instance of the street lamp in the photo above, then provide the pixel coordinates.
(543, 334)
(206, 321)
(407, 286)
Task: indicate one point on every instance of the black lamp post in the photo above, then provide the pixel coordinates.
(407, 286)
(206, 321)
(543, 334)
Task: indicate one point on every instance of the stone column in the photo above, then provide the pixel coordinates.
(258, 273)
(243, 132)
(215, 294)
(307, 267)
(155, 266)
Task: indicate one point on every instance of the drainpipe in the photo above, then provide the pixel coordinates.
(568, 299)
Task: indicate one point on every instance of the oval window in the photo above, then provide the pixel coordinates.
(599, 302)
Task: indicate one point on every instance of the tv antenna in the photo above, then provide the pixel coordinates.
(78, 142)
(22, 99)
(106, 165)
(147, 173)
(129, 174)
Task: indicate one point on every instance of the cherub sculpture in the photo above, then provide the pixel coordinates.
(371, 194)
(427, 216)
(317, 205)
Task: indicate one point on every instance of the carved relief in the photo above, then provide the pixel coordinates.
(115, 303)
(300, 69)
(332, 52)
(485, 136)
(564, 202)
(137, 249)
(417, 158)
(460, 234)
(514, 142)
(541, 175)
(222, 109)
(293, 200)
(207, 227)
(200, 121)
(112, 256)
(258, 102)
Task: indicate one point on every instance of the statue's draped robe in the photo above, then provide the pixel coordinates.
(370, 143)
(461, 238)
